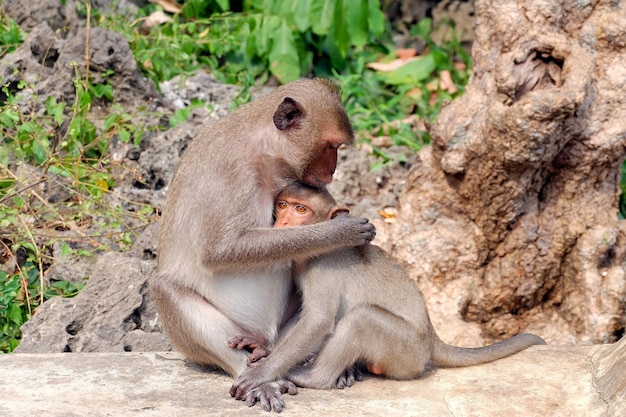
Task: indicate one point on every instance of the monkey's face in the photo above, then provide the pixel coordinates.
(291, 212)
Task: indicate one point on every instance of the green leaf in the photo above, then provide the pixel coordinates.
(340, 29)
(355, 21)
(39, 151)
(108, 122)
(102, 90)
(268, 26)
(18, 201)
(59, 171)
(321, 15)
(411, 73)
(15, 314)
(300, 14)
(224, 4)
(65, 249)
(422, 29)
(124, 135)
(376, 18)
(8, 118)
(283, 56)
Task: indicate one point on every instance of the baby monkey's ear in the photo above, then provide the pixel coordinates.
(338, 212)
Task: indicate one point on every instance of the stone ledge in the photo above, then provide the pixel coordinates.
(542, 381)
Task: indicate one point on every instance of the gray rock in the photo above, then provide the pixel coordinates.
(542, 381)
(113, 313)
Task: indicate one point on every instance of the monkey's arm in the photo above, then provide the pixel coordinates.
(254, 247)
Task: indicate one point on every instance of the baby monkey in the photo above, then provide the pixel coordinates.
(358, 307)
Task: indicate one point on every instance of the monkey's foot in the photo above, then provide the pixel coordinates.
(257, 347)
(349, 377)
(270, 395)
(308, 378)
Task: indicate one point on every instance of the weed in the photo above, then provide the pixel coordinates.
(55, 175)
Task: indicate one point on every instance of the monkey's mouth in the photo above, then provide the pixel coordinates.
(317, 181)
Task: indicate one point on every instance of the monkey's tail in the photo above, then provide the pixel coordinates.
(452, 356)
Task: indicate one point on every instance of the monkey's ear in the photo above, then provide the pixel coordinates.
(289, 114)
(338, 212)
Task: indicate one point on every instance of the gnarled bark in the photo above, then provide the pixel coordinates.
(509, 221)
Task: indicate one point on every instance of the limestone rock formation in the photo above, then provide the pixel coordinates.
(509, 221)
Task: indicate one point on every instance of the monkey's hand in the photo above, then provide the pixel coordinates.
(255, 345)
(359, 231)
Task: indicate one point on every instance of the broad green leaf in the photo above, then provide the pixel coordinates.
(13, 343)
(321, 15)
(376, 18)
(422, 29)
(340, 29)
(411, 73)
(268, 27)
(124, 135)
(224, 4)
(15, 314)
(356, 15)
(39, 151)
(283, 56)
(300, 14)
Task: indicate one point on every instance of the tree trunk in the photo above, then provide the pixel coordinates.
(509, 220)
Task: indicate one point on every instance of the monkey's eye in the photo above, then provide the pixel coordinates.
(281, 205)
(301, 209)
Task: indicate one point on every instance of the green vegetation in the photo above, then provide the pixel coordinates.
(290, 40)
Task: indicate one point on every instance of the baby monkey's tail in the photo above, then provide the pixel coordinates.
(451, 356)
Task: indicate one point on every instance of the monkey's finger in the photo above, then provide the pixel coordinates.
(241, 392)
(243, 342)
(239, 389)
(288, 387)
(251, 398)
(257, 354)
(268, 395)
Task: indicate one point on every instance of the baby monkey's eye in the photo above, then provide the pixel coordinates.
(301, 209)
(281, 205)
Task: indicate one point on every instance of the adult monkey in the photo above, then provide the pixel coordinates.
(222, 268)
(358, 306)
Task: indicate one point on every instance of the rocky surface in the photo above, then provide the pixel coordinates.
(542, 381)
(114, 312)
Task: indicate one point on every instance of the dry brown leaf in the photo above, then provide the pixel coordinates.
(168, 5)
(382, 141)
(460, 65)
(432, 102)
(389, 66)
(446, 83)
(415, 92)
(389, 214)
(406, 53)
(155, 19)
